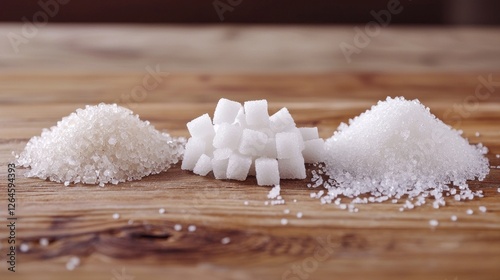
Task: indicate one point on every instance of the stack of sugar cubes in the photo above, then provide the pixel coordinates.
(245, 140)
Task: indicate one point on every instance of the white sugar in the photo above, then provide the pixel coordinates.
(483, 209)
(192, 228)
(177, 227)
(100, 145)
(161, 211)
(274, 192)
(469, 211)
(225, 240)
(284, 221)
(44, 242)
(453, 218)
(245, 141)
(116, 216)
(433, 223)
(299, 215)
(398, 148)
(24, 247)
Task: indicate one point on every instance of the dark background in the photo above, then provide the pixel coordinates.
(435, 12)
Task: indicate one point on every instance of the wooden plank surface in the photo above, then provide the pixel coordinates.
(244, 49)
(379, 242)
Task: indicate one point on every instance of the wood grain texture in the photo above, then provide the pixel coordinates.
(244, 49)
(379, 242)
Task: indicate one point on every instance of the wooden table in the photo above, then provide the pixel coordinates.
(379, 242)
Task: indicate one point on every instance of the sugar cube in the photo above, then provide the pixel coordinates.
(256, 113)
(288, 145)
(195, 147)
(203, 165)
(223, 153)
(238, 167)
(314, 150)
(226, 111)
(299, 137)
(201, 127)
(241, 118)
(252, 142)
(267, 171)
(219, 167)
(292, 168)
(309, 133)
(281, 120)
(270, 149)
(228, 136)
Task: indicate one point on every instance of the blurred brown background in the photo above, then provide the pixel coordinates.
(435, 12)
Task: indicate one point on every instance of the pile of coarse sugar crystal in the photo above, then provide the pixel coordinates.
(99, 145)
(398, 150)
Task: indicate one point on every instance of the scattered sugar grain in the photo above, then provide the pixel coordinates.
(477, 134)
(116, 216)
(24, 248)
(225, 240)
(192, 228)
(161, 211)
(274, 192)
(483, 209)
(469, 212)
(299, 215)
(177, 227)
(72, 263)
(44, 242)
(286, 211)
(245, 203)
(453, 218)
(284, 221)
(433, 223)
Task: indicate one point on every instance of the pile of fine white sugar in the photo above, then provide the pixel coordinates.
(245, 141)
(99, 145)
(399, 149)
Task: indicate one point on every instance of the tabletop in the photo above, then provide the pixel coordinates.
(238, 236)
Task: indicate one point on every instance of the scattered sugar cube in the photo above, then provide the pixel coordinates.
(314, 150)
(287, 145)
(228, 136)
(226, 111)
(252, 142)
(201, 127)
(292, 168)
(238, 167)
(309, 133)
(267, 172)
(195, 147)
(203, 165)
(256, 113)
(281, 120)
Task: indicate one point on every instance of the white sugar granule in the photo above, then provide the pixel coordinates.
(161, 211)
(192, 228)
(433, 223)
(453, 218)
(99, 145)
(469, 212)
(24, 248)
(284, 221)
(116, 216)
(398, 148)
(274, 192)
(44, 242)
(483, 209)
(177, 227)
(225, 240)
